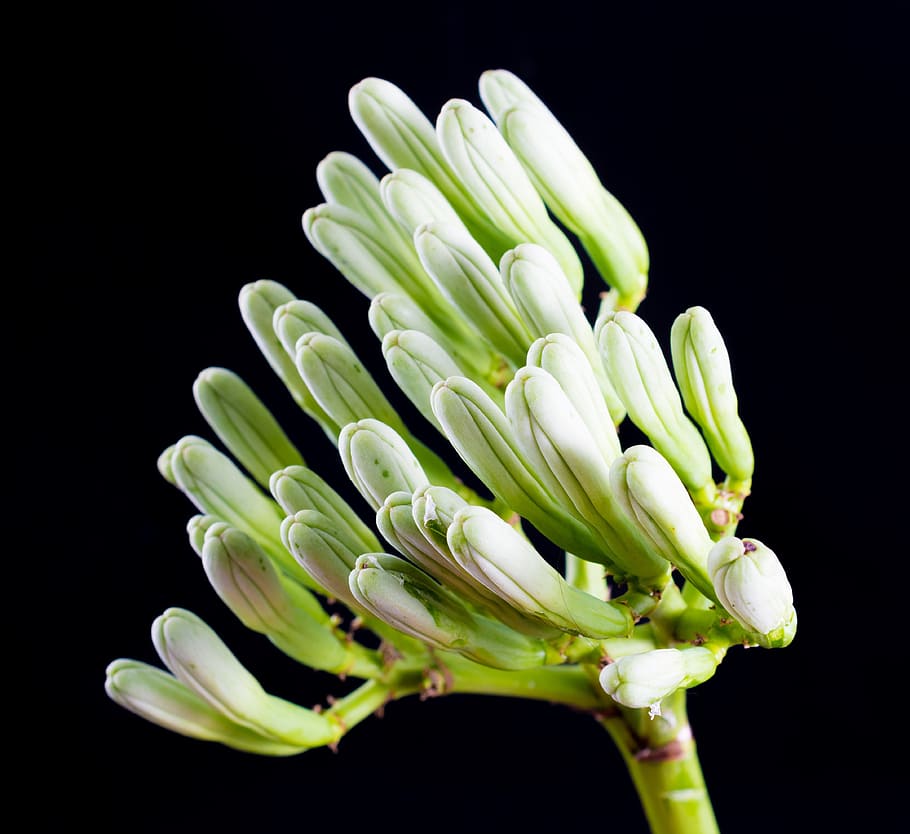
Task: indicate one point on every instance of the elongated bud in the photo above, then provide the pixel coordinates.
(164, 463)
(403, 137)
(643, 680)
(562, 358)
(244, 424)
(212, 481)
(258, 302)
(346, 180)
(413, 200)
(296, 319)
(568, 183)
(469, 279)
(562, 453)
(653, 495)
(505, 562)
(265, 601)
(499, 184)
(198, 526)
(160, 698)
(406, 598)
(340, 383)
(324, 550)
(639, 373)
(378, 461)
(538, 286)
(481, 435)
(393, 311)
(752, 586)
(297, 488)
(702, 366)
(199, 659)
(417, 363)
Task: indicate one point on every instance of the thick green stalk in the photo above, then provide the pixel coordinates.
(662, 760)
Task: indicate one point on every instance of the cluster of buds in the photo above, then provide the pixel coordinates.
(465, 251)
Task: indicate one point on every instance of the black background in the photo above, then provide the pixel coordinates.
(170, 152)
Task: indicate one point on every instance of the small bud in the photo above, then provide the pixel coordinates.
(244, 424)
(639, 373)
(643, 680)
(705, 379)
(161, 699)
(378, 461)
(752, 586)
(505, 562)
(406, 598)
(297, 318)
(499, 184)
(200, 660)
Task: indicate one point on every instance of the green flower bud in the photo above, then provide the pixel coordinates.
(413, 200)
(568, 183)
(481, 435)
(562, 358)
(403, 137)
(643, 680)
(417, 363)
(340, 382)
(470, 281)
(561, 451)
(244, 424)
(164, 463)
(163, 700)
(639, 373)
(323, 549)
(538, 286)
(297, 488)
(391, 311)
(705, 379)
(378, 461)
(406, 598)
(654, 497)
(295, 319)
(499, 184)
(258, 303)
(198, 526)
(200, 660)
(505, 562)
(215, 485)
(752, 586)
(345, 180)
(266, 602)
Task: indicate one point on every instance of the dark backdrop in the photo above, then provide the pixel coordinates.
(172, 152)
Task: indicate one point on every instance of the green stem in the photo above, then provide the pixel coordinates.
(667, 774)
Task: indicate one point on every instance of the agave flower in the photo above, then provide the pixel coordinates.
(469, 252)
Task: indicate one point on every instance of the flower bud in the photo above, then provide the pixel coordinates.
(200, 660)
(482, 436)
(403, 137)
(654, 497)
(198, 526)
(504, 561)
(258, 302)
(563, 359)
(499, 184)
(705, 380)
(406, 598)
(297, 488)
(639, 373)
(297, 318)
(244, 424)
(378, 461)
(265, 601)
(413, 200)
(568, 183)
(752, 586)
(470, 281)
(643, 680)
(417, 363)
(161, 699)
